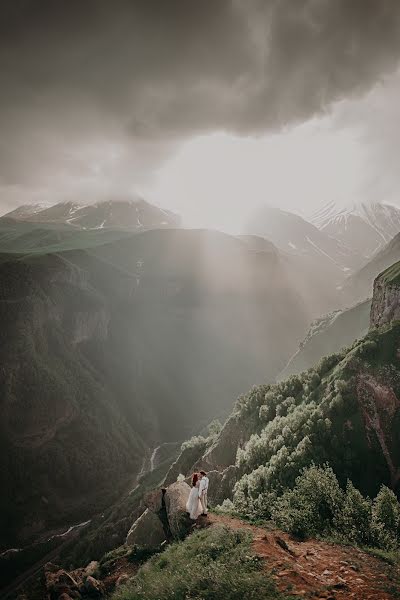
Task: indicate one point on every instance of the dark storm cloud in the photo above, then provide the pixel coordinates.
(77, 75)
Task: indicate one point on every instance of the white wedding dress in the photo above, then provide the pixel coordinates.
(193, 505)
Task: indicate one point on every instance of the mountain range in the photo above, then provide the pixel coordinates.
(132, 214)
(366, 228)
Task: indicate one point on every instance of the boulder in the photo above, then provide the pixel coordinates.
(154, 500)
(92, 568)
(175, 499)
(93, 587)
(59, 582)
(146, 532)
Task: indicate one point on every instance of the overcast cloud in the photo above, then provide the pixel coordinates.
(95, 95)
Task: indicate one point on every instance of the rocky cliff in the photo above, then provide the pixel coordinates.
(386, 299)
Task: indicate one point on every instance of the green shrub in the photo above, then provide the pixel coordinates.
(386, 519)
(312, 507)
(196, 440)
(327, 363)
(227, 507)
(214, 428)
(354, 521)
(317, 506)
(213, 564)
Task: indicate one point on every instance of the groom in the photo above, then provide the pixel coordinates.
(203, 489)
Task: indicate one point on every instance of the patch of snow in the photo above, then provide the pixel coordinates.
(101, 226)
(293, 245)
(320, 250)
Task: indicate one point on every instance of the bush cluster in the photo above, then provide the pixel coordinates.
(317, 505)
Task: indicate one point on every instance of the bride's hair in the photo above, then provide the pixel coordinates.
(195, 477)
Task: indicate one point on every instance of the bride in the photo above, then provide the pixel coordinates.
(193, 505)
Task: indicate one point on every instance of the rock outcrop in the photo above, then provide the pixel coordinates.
(146, 532)
(386, 299)
(61, 585)
(175, 498)
(185, 461)
(165, 517)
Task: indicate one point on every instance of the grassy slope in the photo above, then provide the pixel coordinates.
(29, 238)
(213, 564)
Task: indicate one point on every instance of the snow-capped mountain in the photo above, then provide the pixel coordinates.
(294, 235)
(26, 211)
(364, 227)
(133, 215)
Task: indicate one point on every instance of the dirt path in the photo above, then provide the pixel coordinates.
(317, 569)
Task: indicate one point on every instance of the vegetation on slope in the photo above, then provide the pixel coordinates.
(319, 417)
(214, 563)
(317, 505)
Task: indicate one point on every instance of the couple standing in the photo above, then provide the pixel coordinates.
(197, 501)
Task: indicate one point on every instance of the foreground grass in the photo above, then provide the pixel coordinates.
(213, 564)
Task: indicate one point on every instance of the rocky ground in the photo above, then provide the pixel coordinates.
(318, 569)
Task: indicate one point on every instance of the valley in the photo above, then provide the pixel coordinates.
(120, 345)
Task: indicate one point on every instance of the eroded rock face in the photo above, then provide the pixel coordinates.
(222, 484)
(380, 408)
(146, 532)
(184, 463)
(385, 303)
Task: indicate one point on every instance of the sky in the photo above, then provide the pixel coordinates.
(208, 108)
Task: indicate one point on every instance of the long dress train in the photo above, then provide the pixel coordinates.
(193, 505)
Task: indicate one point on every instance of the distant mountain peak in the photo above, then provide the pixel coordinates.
(293, 234)
(26, 210)
(132, 214)
(363, 226)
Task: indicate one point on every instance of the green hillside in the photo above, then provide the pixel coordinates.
(336, 412)
(20, 237)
